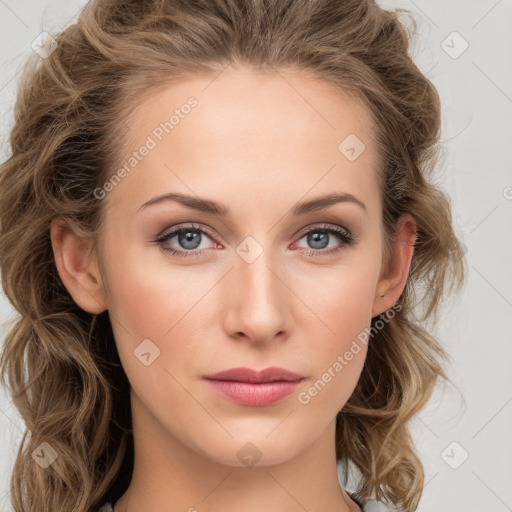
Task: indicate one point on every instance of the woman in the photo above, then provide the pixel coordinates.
(217, 221)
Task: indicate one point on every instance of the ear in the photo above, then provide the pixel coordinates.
(393, 278)
(77, 266)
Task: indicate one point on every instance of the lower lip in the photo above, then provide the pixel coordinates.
(253, 394)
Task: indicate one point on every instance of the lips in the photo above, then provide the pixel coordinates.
(254, 387)
(271, 374)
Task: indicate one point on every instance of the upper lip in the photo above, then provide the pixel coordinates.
(241, 374)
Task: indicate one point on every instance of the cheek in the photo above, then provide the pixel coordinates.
(144, 296)
(340, 329)
(342, 298)
(144, 306)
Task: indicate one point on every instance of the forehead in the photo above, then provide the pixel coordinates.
(258, 101)
(251, 131)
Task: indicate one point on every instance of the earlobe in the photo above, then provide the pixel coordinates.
(394, 278)
(77, 266)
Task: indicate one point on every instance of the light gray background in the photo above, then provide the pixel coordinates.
(476, 91)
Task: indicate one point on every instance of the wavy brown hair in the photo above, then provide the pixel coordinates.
(61, 364)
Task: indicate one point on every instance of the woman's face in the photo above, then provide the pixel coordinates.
(268, 283)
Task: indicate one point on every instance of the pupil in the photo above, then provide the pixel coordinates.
(319, 240)
(187, 240)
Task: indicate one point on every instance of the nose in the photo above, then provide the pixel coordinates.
(257, 303)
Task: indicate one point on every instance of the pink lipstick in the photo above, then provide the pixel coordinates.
(255, 387)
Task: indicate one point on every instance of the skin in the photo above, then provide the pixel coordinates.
(258, 144)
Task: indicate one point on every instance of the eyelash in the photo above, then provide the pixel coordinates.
(342, 235)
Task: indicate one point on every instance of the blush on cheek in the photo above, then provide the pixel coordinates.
(347, 312)
(155, 305)
(346, 308)
(137, 311)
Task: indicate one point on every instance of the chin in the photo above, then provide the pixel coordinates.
(258, 452)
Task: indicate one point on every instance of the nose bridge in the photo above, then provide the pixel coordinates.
(258, 283)
(259, 303)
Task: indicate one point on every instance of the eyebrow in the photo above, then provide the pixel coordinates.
(209, 206)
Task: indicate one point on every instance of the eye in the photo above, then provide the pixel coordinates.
(318, 239)
(189, 239)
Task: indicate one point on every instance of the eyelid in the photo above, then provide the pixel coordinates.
(323, 226)
(297, 236)
(185, 225)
